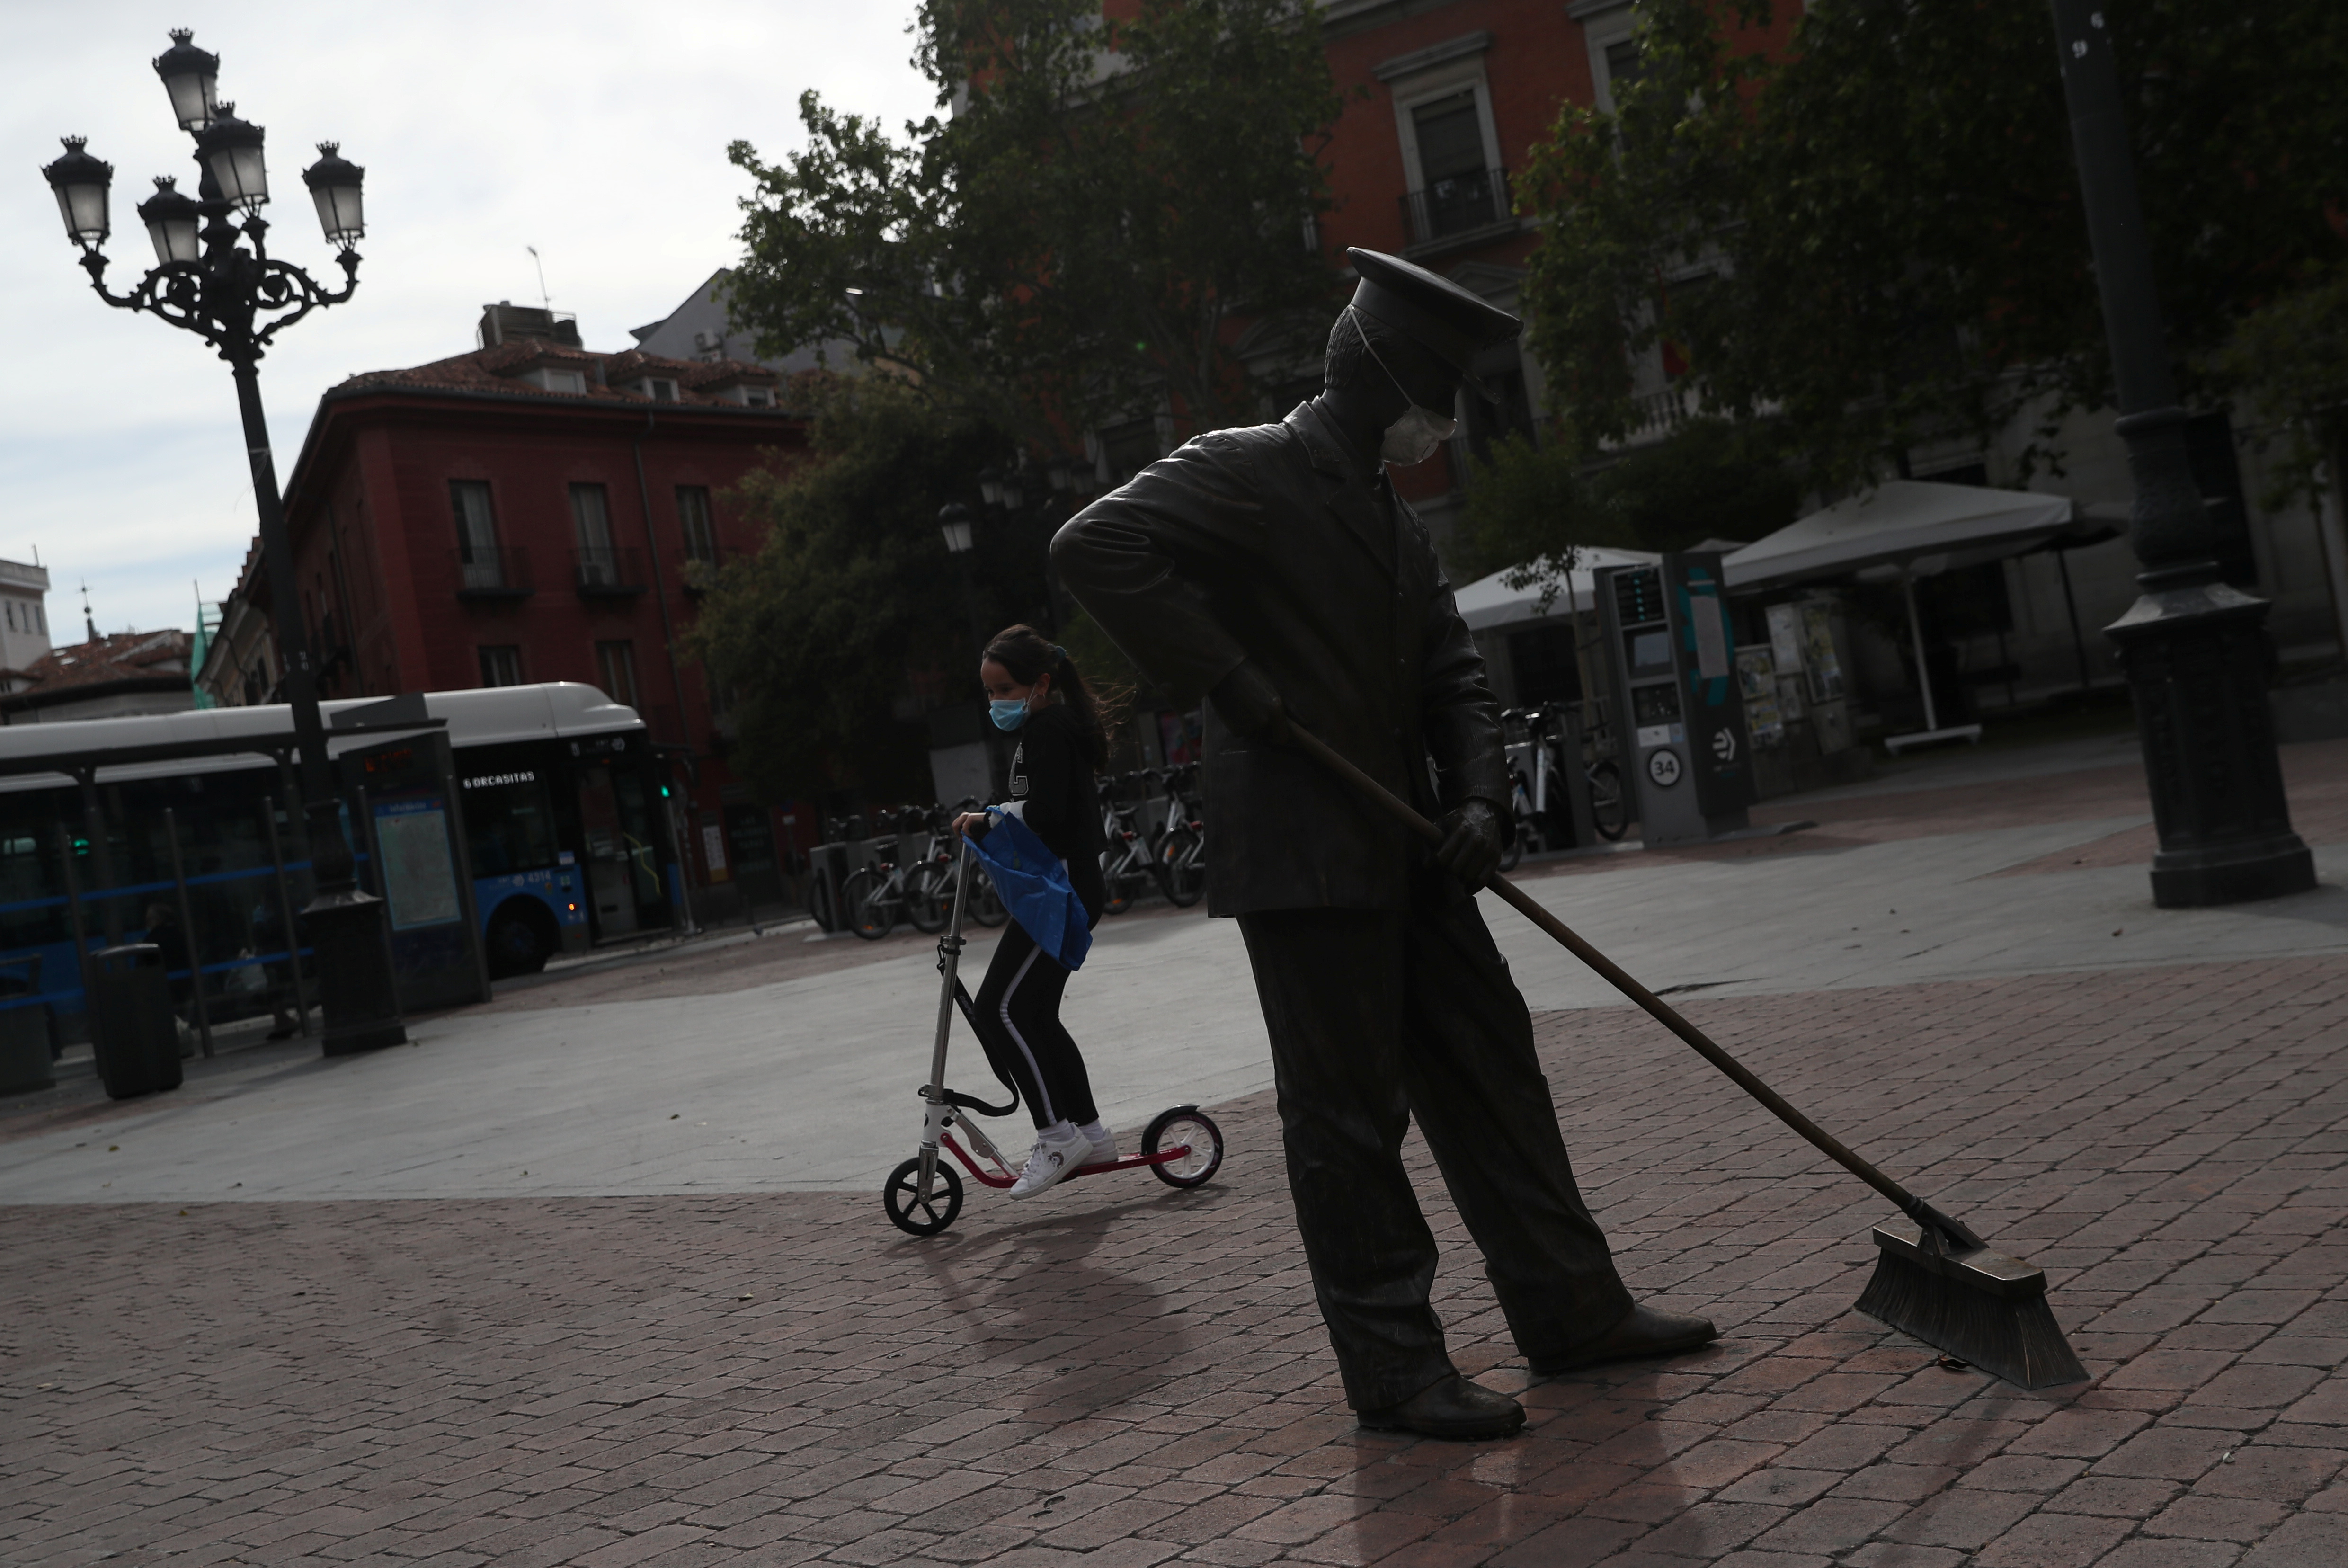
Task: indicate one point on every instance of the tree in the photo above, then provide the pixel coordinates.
(1873, 236)
(2295, 352)
(1106, 202)
(1537, 508)
(850, 617)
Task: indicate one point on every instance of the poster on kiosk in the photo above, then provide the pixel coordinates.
(1681, 714)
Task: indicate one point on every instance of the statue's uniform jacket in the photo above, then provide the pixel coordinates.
(1266, 543)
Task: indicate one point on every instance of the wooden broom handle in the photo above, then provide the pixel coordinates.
(1662, 1011)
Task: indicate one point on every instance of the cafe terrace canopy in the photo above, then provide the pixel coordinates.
(1909, 528)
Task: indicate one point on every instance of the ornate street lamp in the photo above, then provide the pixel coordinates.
(191, 76)
(956, 524)
(334, 182)
(2195, 647)
(230, 151)
(81, 182)
(213, 276)
(173, 222)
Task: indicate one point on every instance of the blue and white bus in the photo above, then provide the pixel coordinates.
(560, 792)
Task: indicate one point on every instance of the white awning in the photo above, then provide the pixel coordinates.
(1490, 602)
(1908, 526)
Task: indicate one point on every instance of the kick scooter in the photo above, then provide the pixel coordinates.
(1182, 1146)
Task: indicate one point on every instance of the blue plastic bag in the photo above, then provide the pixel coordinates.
(1035, 889)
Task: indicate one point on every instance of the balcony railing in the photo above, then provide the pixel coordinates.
(601, 569)
(502, 573)
(697, 571)
(1456, 204)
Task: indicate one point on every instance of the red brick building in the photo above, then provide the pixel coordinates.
(529, 512)
(1443, 101)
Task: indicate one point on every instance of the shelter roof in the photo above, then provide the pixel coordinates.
(1491, 602)
(1913, 527)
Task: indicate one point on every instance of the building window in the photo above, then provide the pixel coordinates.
(1459, 188)
(617, 662)
(571, 381)
(757, 397)
(477, 535)
(12, 615)
(692, 520)
(663, 391)
(500, 667)
(590, 523)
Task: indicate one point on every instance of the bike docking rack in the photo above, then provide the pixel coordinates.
(1182, 1147)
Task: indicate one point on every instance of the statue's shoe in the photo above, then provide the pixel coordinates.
(1454, 1408)
(1644, 1331)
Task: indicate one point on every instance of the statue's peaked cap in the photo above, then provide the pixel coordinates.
(1433, 311)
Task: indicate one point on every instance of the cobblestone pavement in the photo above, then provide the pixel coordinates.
(1119, 1374)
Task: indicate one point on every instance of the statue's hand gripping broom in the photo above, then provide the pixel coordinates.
(1933, 1278)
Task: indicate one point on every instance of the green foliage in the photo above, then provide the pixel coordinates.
(1708, 480)
(851, 606)
(1885, 216)
(1534, 507)
(1105, 196)
(2295, 352)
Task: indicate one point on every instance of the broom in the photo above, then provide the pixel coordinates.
(1934, 1278)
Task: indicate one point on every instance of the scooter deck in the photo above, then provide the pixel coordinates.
(1122, 1163)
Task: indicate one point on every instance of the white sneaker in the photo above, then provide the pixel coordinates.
(1104, 1147)
(1059, 1149)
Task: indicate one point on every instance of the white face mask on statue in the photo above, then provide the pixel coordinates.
(1413, 437)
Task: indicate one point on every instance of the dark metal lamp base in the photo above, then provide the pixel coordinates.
(2193, 879)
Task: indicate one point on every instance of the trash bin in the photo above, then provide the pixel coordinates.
(132, 1032)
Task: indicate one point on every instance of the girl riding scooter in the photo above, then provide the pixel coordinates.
(1061, 745)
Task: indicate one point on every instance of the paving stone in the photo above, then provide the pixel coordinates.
(1134, 1376)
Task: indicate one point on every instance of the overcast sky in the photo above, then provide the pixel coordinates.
(593, 129)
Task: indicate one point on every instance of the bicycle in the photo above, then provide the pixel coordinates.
(877, 895)
(1127, 864)
(986, 904)
(1179, 848)
(1536, 803)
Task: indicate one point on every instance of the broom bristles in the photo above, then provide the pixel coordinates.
(1981, 1307)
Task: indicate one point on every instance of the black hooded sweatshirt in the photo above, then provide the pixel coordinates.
(1051, 780)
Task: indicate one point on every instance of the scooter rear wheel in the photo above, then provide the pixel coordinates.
(1185, 1124)
(903, 1198)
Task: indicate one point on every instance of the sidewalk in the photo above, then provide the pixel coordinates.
(663, 1353)
(1123, 1374)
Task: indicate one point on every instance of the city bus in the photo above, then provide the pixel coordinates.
(565, 838)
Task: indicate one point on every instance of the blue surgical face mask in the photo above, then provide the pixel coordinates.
(1008, 712)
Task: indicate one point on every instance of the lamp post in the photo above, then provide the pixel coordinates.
(2195, 647)
(237, 298)
(955, 523)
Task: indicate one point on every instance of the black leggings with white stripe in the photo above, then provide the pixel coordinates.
(1018, 1008)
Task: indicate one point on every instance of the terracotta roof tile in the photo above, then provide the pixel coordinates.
(500, 369)
(119, 656)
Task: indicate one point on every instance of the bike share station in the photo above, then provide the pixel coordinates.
(1685, 752)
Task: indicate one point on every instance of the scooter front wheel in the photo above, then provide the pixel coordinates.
(1185, 1125)
(908, 1212)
